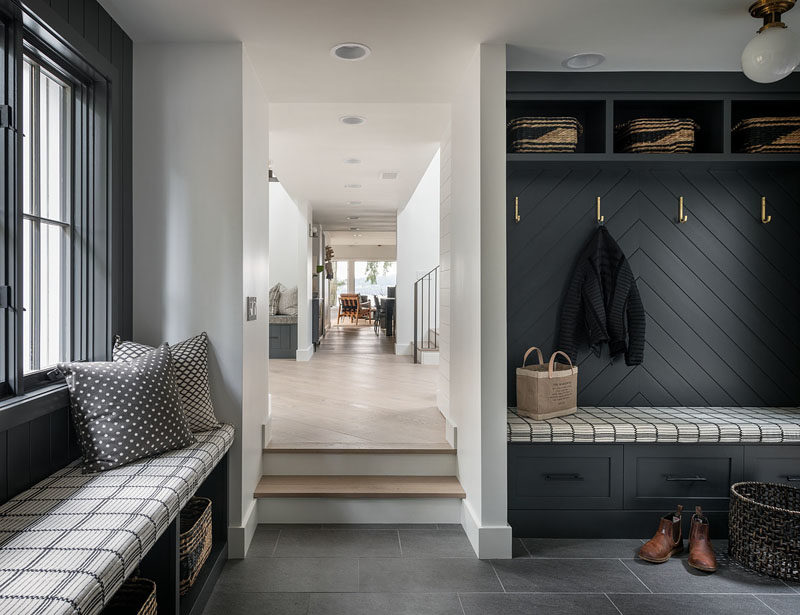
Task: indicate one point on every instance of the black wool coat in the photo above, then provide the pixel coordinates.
(603, 303)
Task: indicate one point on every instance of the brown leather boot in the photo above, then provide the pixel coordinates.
(701, 553)
(667, 540)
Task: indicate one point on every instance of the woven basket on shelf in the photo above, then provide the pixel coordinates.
(137, 596)
(655, 135)
(764, 528)
(195, 540)
(766, 134)
(543, 134)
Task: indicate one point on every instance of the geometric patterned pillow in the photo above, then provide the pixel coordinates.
(190, 359)
(274, 297)
(125, 411)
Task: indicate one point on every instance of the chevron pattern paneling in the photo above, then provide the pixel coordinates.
(721, 292)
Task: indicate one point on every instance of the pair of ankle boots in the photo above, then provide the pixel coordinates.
(668, 541)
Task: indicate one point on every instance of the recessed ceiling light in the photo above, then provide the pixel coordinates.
(352, 161)
(352, 120)
(359, 235)
(354, 228)
(354, 202)
(353, 217)
(389, 175)
(352, 185)
(350, 51)
(583, 60)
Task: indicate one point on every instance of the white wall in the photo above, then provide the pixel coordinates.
(290, 262)
(198, 184)
(473, 238)
(417, 249)
(365, 253)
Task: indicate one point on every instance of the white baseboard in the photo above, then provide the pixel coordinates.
(367, 510)
(404, 349)
(304, 354)
(266, 432)
(451, 433)
(489, 542)
(239, 537)
(429, 357)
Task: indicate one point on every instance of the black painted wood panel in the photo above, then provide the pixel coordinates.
(721, 292)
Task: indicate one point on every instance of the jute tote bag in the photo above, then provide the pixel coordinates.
(546, 391)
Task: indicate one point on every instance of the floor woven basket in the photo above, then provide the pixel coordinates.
(766, 134)
(543, 134)
(137, 596)
(764, 528)
(655, 135)
(195, 540)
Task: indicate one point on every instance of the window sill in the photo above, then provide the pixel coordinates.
(17, 410)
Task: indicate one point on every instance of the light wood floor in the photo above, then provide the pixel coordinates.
(354, 392)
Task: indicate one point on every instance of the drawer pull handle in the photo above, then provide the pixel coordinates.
(685, 479)
(563, 477)
(793, 478)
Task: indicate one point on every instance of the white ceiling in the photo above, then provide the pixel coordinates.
(309, 146)
(366, 238)
(420, 49)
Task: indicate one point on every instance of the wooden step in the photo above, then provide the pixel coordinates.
(389, 448)
(359, 487)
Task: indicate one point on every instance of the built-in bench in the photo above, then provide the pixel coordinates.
(282, 336)
(69, 542)
(611, 472)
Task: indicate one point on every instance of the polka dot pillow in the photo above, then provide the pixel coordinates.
(190, 359)
(126, 411)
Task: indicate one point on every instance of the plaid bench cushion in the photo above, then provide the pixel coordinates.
(68, 543)
(681, 425)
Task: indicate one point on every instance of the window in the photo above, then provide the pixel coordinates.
(374, 277)
(339, 281)
(46, 229)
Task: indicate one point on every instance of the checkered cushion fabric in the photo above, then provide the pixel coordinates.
(677, 425)
(126, 411)
(69, 542)
(190, 359)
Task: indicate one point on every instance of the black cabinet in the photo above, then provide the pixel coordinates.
(772, 464)
(282, 341)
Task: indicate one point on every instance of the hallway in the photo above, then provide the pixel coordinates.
(353, 393)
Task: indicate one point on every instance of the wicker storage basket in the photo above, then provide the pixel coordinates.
(196, 539)
(543, 134)
(137, 596)
(655, 135)
(764, 528)
(766, 134)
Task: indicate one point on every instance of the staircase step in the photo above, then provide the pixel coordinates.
(349, 448)
(338, 486)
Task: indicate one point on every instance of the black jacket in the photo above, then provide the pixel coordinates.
(603, 297)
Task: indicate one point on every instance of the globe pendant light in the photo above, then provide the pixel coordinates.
(775, 51)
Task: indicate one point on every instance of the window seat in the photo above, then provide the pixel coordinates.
(661, 425)
(69, 542)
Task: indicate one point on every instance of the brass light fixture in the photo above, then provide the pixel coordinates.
(775, 51)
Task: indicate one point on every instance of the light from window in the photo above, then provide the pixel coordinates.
(374, 277)
(46, 217)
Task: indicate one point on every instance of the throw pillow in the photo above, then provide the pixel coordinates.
(287, 303)
(190, 359)
(274, 297)
(126, 411)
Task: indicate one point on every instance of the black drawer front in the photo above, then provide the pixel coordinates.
(550, 476)
(772, 464)
(659, 478)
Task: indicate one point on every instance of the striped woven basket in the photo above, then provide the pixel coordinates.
(543, 134)
(136, 596)
(655, 135)
(766, 134)
(764, 528)
(195, 540)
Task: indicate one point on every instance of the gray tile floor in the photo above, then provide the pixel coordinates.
(431, 570)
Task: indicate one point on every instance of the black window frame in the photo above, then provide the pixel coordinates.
(91, 168)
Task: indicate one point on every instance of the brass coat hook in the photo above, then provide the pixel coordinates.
(600, 219)
(681, 217)
(765, 219)
(516, 209)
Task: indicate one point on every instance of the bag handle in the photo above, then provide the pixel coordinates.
(553, 360)
(528, 352)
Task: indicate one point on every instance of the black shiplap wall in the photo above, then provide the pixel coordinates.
(33, 448)
(721, 292)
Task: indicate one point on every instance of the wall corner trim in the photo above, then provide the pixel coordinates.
(488, 541)
(305, 354)
(404, 349)
(240, 537)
